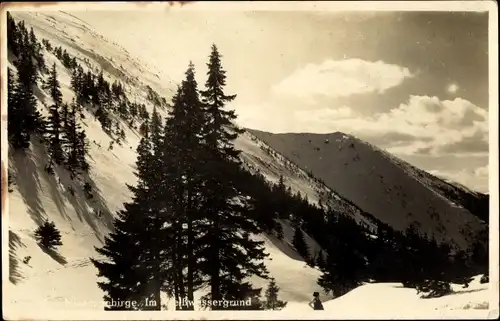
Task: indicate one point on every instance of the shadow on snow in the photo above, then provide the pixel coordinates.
(29, 169)
(15, 242)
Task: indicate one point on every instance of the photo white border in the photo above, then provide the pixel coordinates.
(320, 6)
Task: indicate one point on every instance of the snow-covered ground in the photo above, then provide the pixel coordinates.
(63, 285)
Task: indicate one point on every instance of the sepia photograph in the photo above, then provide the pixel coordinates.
(249, 160)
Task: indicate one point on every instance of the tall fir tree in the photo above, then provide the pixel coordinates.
(134, 249)
(74, 142)
(19, 137)
(184, 128)
(54, 126)
(232, 255)
(300, 244)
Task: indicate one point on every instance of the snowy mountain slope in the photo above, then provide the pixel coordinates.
(36, 195)
(477, 203)
(394, 192)
(66, 280)
(257, 155)
(95, 51)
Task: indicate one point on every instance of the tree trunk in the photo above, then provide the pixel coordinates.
(189, 250)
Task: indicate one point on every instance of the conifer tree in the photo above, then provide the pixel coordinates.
(12, 35)
(74, 141)
(54, 126)
(299, 242)
(126, 278)
(136, 269)
(232, 255)
(272, 301)
(171, 187)
(17, 131)
(81, 149)
(48, 235)
(184, 129)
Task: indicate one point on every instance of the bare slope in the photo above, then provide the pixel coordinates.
(393, 191)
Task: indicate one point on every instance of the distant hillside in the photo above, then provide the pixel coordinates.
(392, 190)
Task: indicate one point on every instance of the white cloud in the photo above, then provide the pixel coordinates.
(449, 126)
(342, 78)
(324, 114)
(422, 125)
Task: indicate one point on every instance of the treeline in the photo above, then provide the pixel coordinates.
(65, 140)
(355, 256)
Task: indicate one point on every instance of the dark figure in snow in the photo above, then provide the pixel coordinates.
(316, 302)
(27, 259)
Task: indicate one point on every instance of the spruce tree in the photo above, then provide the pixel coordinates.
(82, 151)
(272, 301)
(17, 127)
(184, 128)
(135, 271)
(123, 270)
(232, 255)
(12, 35)
(48, 235)
(300, 244)
(54, 126)
(74, 141)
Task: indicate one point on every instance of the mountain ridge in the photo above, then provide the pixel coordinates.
(335, 157)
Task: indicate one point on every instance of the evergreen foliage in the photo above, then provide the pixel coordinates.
(232, 255)
(24, 117)
(300, 244)
(48, 235)
(66, 141)
(272, 301)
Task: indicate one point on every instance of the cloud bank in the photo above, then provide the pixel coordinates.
(342, 78)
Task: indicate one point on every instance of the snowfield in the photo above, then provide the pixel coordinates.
(63, 286)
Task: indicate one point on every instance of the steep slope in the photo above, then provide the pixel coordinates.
(42, 285)
(81, 40)
(393, 191)
(258, 156)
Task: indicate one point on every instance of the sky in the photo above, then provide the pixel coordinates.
(413, 83)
